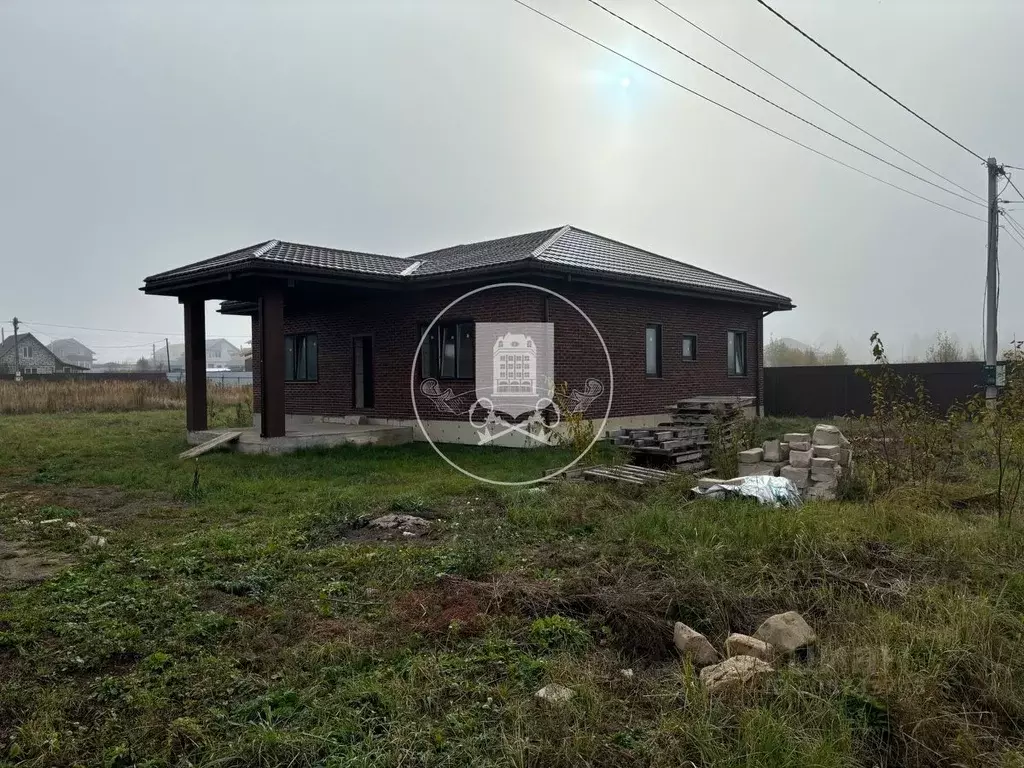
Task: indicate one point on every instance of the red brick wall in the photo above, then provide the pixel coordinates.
(393, 320)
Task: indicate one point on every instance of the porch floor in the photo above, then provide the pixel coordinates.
(311, 435)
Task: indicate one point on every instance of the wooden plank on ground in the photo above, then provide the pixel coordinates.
(602, 474)
(209, 445)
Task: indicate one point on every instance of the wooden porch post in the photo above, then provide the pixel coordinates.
(195, 364)
(271, 309)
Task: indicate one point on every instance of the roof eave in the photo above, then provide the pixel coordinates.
(178, 285)
(775, 302)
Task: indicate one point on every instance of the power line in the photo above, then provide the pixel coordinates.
(1009, 232)
(870, 82)
(766, 100)
(1014, 224)
(122, 330)
(1009, 181)
(751, 120)
(807, 96)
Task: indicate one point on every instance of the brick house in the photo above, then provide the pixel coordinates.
(336, 333)
(33, 357)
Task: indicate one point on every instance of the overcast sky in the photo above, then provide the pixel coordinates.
(138, 136)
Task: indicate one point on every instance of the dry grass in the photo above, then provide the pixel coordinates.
(82, 396)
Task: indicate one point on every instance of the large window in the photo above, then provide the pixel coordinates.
(300, 357)
(689, 347)
(653, 350)
(737, 351)
(447, 351)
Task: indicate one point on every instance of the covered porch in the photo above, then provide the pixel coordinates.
(258, 281)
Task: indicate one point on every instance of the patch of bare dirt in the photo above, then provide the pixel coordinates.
(21, 564)
(434, 610)
(104, 506)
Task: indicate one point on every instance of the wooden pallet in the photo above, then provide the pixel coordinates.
(626, 473)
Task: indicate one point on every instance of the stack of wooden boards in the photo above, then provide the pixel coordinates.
(685, 442)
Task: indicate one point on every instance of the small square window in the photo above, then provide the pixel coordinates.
(689, 346)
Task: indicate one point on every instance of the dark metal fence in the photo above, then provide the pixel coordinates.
(838, 390)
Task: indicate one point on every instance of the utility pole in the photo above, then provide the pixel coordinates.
(992, 279)
(167, 348)
(155, 366)
(17, 361)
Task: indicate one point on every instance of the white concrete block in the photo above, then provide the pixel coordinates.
(800, 459)
(751, 456)
(799, 476)
(827, 452)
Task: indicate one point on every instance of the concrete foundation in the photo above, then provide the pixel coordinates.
(443, 431)
(299, 435)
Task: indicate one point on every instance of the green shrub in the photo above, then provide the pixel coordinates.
(558, 633)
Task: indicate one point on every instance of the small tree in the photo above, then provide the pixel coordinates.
(1004, 428)
(946, 349)
(142, 364)
(837, 356)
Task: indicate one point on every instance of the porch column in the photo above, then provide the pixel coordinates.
(195, 364)
(271, 309)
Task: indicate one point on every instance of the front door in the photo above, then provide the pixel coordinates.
(362, 372)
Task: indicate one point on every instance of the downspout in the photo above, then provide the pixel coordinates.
(760, 364)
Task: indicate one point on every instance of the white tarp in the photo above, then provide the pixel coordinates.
(774, 491)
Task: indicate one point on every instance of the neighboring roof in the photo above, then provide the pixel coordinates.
(8, 344)
(79, 347)
(564, 249)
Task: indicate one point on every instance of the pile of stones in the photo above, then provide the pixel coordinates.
(814, 462)
(780, 638)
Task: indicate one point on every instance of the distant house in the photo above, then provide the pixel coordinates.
(220, 354)
(31, 356)
(74, 352)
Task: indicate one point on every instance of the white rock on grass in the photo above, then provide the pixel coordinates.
(745, 645)
(786, 632)
(693, 645)
(96, 541)
(733, 674)
(405, 522)
(826, 434)
(554, 693)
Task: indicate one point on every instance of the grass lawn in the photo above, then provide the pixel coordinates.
(252, 620)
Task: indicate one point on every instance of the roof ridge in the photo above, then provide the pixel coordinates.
(678, 261)
(341, 250)
(266, 248)
(485, 241)
(549, 242)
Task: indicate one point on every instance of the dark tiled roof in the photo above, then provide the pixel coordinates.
(483, 254)
(565, 248)
(586, 251)
(293, 254)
